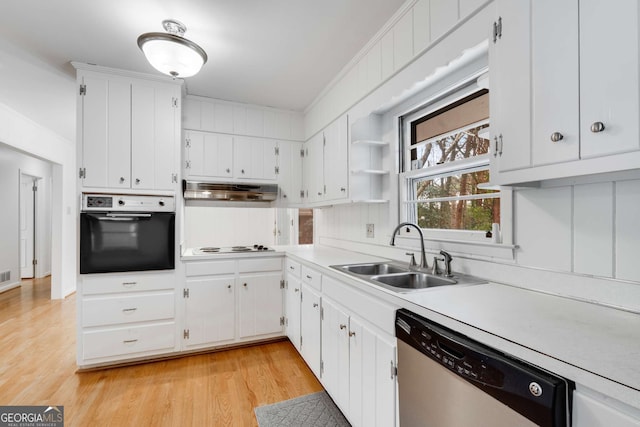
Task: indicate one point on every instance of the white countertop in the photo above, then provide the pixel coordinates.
(594, 346)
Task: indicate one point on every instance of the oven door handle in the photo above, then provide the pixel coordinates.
(123, 217)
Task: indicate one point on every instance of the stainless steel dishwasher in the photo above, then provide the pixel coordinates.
(448, 380)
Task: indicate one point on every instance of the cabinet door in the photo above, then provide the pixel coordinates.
(609, 77)
(260, 304)
(209, 311)
(386, 401)
(336, 159)
(106, 132)
(555, 85)
(290, 176)
(292, 310)
(310, 328)
(510, 65)
(218, 155)
(335, 353)
(255, 158)
(591, 412)
(362, 370)
(313, 169)
(152, 137)
(194, 154)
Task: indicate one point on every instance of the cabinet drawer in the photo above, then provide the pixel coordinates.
(127, 309)
(117, 283)
(292, 267)
(259, 264)
(205, 268)
(312, 277)
(128, 341)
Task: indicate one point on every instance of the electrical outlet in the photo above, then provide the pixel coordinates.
(370, 233)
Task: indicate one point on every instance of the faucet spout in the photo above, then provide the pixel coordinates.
(423, 256)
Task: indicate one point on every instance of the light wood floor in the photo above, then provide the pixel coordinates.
(38, 345)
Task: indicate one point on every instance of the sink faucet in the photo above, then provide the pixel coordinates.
(423, 256)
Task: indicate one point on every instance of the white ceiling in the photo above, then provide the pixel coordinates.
(279, 53)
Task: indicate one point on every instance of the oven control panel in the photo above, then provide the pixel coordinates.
(127, 203)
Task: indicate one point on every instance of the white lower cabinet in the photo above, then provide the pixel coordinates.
(310, 327)
(260, 304)
(358, 367)
(293, 290)
(125, 316)
(231, 301)
(209, 311)
(347, 339)
(594, 411)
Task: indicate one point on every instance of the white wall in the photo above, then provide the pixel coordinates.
(217, 226)
(27, 136)
(12, 163)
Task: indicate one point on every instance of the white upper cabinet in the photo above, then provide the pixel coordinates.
(254, 158)
(510, 67)
(208, 155)
(609, 77)
(128, 132)
(564, 89)
(290, 156)
(336, 159)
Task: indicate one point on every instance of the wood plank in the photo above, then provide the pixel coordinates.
(38, 367)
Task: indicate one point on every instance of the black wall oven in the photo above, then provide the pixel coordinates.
(120, 233)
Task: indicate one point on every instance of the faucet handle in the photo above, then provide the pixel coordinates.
(434, 269)
(447, 263)
(412, 262)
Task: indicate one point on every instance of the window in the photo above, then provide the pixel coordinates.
(446, 163)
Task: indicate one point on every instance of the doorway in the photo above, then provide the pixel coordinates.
(27, 195)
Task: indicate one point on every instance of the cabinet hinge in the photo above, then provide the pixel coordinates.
(324, 140)
(185, 334)
(300, 341)
(282, 284)
(83, 89)
(185, 293)
(321, 367)
(497, 30)
(174, 177)
(34, 188)
(302, 152)
(277, 169)
(321, 313)
(188, 166)
(188, 142)
(82, 173)
(302, 194)
(282, 321)
(325, 189)
(277, 151)
(174, 102)
(394, 370)
(34, 262)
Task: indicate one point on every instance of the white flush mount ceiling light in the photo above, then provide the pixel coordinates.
(170, 53)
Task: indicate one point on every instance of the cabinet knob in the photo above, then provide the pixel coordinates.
(597, 127)
(229, 286)
(121, 179)
(556, 137)
(245, 285)
(343, 326)
(319, 193)
(284, 196)
(352, 334)
(242, 171)
(228, 170)
(137, 180)
(315, 304)
(296, 290)
(343, 189)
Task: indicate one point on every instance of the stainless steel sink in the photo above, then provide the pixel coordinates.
(398, 277)
(413, 280)
(373, 269)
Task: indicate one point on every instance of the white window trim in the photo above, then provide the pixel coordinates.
(466, 241)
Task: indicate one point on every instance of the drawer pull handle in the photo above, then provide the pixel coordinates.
(315, 304)
(557, 137)
(291, 267)
(309, 277)
(130, 341)
(129, 310)
(352, 334)
(597, 127)
(343, 326)
(129, 284)
(296, 290)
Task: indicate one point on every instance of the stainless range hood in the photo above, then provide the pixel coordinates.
(229, 192)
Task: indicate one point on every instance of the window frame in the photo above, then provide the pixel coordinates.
(407, 177)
